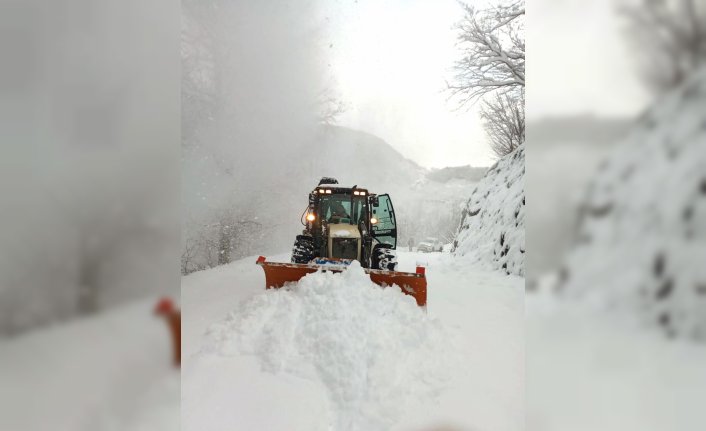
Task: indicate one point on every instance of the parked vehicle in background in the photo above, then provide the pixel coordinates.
(430, 245)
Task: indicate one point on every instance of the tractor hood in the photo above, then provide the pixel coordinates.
(344, 241)
(343, 231)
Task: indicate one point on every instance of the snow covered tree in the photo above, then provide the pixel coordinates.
(493, 52)
(670, 38)
(229, 233)
(504, 121)
(493, 66)
(332, 107)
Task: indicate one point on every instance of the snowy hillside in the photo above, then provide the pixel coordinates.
(336, 352)
(104, 373)
(349, 154)
(642, 237)
(467, 173)
(492, 229)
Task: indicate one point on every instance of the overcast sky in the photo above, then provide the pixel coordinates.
(389, 60)
(578, 60)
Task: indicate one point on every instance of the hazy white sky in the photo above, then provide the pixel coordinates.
(578, 60)
(390, 60)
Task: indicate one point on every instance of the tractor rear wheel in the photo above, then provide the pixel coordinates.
(303, 250)
(384, 258)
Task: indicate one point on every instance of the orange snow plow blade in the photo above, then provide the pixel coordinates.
(412, 283)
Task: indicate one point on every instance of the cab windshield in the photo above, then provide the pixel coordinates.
(338, 209)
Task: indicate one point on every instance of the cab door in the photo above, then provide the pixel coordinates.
(385, 230)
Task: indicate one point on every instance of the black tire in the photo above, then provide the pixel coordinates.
(383, 258)
(303, 250)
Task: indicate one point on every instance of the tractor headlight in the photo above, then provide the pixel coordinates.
(373, 220)
(310, 217)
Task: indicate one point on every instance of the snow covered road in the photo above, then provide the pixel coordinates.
(338, 353)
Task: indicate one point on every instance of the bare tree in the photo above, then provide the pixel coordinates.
(229, 234)
(493, 52)
(235, 232)
(189, 257)
(669, 36)
(504, 121)
(492, 68)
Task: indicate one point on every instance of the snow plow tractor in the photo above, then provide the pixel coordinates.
(343, 224)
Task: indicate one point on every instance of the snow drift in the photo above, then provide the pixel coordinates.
(642, 233)
(492, 229)
(377, 354)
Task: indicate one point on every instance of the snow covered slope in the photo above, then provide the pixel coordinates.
(336, 352)
(492, 229)
(109, 372)
(642, 238)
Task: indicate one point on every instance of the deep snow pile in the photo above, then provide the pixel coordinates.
(376, 353)
(642, 237)
(492, 229)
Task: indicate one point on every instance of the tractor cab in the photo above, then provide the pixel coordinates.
(347, 223)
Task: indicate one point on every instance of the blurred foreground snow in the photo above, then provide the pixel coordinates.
(108, 372)
(592, 370)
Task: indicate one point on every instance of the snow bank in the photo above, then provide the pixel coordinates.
(642, 235)
(376, 353)
(492, 229)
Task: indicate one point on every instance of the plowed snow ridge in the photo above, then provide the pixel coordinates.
(377, 353)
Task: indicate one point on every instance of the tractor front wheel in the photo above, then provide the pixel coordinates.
(303, 250)
(384, 258)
